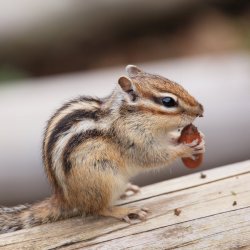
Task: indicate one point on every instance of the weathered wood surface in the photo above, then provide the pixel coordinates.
(208, 218)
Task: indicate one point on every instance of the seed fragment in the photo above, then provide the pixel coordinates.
(177, 211)
(203, 176)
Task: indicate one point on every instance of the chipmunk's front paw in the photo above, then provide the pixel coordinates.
(189, 150)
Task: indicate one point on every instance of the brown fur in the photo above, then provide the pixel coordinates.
(146, 83)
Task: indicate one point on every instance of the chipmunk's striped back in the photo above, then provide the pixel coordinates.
(75, 117)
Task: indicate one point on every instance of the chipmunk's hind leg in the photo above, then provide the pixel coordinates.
(126, 213)
(95, 181)
(131, 190)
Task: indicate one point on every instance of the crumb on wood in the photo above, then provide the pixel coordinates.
(233, 193)
(234, 203)
(203, 176)
(177, 211)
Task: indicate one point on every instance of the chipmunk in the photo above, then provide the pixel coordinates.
(93, 146)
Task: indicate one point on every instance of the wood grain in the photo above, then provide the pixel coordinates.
(208, 219)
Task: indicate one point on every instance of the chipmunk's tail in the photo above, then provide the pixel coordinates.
(27, 216)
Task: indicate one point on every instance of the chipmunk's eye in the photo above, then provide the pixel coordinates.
(169, 102)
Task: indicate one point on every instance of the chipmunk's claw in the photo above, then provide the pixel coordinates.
(126, 213)
(136, 213)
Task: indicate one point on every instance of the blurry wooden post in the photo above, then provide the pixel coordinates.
(214, 213)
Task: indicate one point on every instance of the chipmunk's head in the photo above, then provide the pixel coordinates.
(161, 102)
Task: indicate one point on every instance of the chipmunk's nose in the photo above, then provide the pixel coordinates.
(200, 111)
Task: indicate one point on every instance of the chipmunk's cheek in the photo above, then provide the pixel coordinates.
(174, 135)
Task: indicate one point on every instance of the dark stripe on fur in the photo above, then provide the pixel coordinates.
(66, 123)
(157, 100)
(88, 99)
(65, 106)
(74, 142)
(142, 109)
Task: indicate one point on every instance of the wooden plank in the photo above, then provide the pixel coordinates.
(197, 202)
(232, 232)
(193, 203)
(191, 180)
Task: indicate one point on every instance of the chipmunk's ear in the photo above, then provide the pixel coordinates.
(126, 84)
(133, 70)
